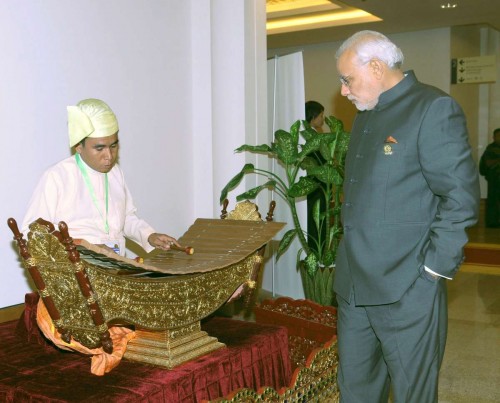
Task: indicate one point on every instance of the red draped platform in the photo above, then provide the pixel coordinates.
(31, 369)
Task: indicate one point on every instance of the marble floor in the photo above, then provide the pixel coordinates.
(471, 367)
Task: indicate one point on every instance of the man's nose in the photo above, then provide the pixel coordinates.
(107, 153)
(344, 90)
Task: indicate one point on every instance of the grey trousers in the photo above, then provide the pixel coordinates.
(399, 345)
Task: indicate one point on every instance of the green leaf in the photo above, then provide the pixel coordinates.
(316, 213)
(252, 193)
(311, 263)
(336, 126)
(326, 174)
(303, 187)
(308, 132)
(294, 132)
(285, 147)
(327, 146)
(328, 258)
(343, 145)
(263, 148)
(328, 138)
(329, 283)
(285, 242)
(308, 163)
(310, 146)
(247, 168)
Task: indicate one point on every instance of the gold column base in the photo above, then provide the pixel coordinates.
(166, 348)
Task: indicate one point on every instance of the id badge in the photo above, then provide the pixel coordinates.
(113, 245)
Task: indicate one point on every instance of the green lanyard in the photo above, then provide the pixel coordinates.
(83, 170)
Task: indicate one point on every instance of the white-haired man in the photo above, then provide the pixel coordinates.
(411, 190)
(88, 189)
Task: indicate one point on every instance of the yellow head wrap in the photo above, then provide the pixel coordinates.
(90, 118)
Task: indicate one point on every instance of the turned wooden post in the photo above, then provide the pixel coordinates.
(86, 288)
(270, 213)
(224, 209)
(259, 259)
(30, 264)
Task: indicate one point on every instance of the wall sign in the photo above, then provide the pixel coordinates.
(480, 69)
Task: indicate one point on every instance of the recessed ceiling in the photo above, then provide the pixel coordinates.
(300, 15)
(312, 23)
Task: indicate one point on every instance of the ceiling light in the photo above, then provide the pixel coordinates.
(319, 21)
(449, 5)
(280, 8)
(299, 15)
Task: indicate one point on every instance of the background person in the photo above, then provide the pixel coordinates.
(489, 167)
(88, 191)
(410, 191)
(315, 115)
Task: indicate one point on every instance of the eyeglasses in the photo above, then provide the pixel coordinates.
(346, 80)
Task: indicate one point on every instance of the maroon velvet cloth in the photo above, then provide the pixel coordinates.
(31, 369)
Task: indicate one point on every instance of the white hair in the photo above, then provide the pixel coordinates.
(370, 45)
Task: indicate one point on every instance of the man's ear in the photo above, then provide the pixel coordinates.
(378, 68)
(78, 148)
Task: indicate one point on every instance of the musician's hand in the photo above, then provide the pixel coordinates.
(162, 241)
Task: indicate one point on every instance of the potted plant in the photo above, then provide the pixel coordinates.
(315, 165)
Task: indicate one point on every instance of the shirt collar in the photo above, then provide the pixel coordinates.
(89, 169)
(397, 91)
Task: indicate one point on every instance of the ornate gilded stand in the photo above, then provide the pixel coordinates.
(168, 349)
(87, 289)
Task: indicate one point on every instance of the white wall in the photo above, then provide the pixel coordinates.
(156, 63)
(229, 86)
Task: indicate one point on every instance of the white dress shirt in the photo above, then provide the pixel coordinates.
(62, 195)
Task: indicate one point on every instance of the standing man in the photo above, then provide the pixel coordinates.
(489, 167)
(88, 190)
(411, 190)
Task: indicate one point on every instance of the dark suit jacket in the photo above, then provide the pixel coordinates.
(406, 203)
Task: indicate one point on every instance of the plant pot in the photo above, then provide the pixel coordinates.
(319, 287)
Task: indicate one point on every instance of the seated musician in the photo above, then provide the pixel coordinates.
(88, 190)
